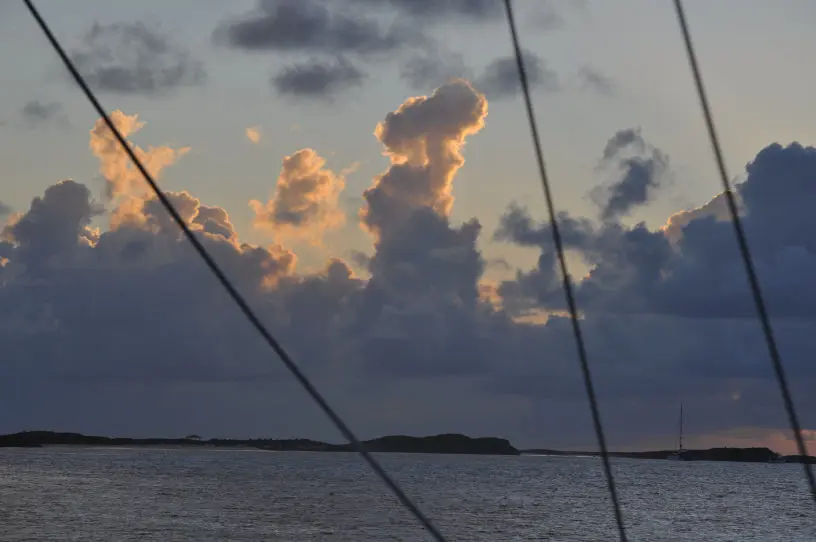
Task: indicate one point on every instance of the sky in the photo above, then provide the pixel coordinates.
(363, 171)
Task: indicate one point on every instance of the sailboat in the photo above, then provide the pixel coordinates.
(679, 454)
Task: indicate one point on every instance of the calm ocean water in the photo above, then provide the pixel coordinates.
(64, 494)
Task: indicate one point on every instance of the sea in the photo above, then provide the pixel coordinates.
(118, 494)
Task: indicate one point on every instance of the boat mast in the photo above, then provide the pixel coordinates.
(681, 427)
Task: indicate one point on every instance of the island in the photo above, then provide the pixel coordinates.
(435, 444)
(746, 455)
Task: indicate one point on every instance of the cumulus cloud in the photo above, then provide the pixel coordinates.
(254, 134)
(682, 292)
(423, 139)
(691, 267)
(93, 322)
(123, 182)
(131, 58)
(305, 200)
(717, 208)
(54, 225)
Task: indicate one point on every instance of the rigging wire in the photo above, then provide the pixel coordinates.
(239, 300)
(567, 284)
(745, 252)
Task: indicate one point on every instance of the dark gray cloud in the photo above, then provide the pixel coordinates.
(685, 286)
(53, 225)
(640, 170)
(124, 330)
(4, 209)
(318, 79)
(594, 80)
(434, 68)
(367, 33)
(310, 26)
(36, 112)
(500, 78)
(691, 268)
(630, 137)
(539, 14)
(468, 10)
(131, 58)
(317, 29)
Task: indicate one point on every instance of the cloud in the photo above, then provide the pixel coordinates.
(337, 40)
(254, 134)
(434, 10)
(317, 79)
(4, 209)
(53, 226)
(433, 68)
(423, 139)
(716, 208)
(131, 58)
(691, 267)
(592, 79)
(95, 321)
(344, 38)
(123, 182)
(36, 113)
(500, 78)
(641, 169)
(307, 26)
(444, 12)
(305, 200)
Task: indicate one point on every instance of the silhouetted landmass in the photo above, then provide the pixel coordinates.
(438, 444)
(749, 455)
(798, 459)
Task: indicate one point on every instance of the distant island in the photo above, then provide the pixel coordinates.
(747, 455)
(436, 444)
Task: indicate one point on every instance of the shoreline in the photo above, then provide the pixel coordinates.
(434, 444)
(732, 455)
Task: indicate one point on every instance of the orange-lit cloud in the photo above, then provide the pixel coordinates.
(124, 182)
(716, 207)
(305, 201)
(254, 134)
(137, 208)
(423, 139)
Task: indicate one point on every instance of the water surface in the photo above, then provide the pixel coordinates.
(115, 494)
